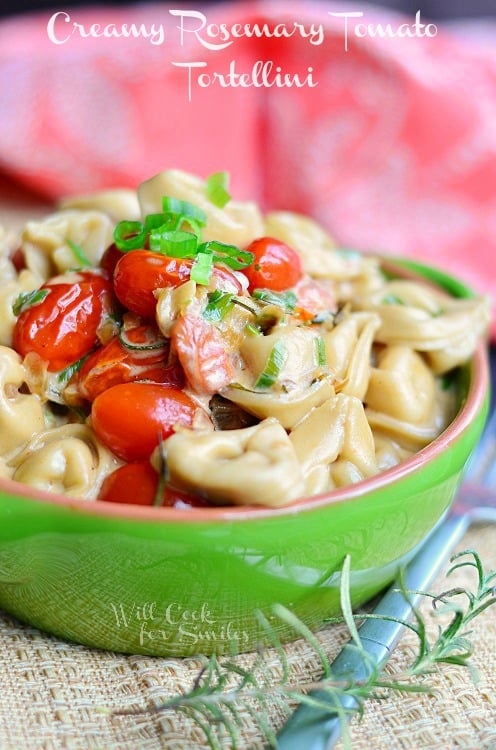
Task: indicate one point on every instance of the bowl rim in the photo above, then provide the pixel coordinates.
(477, 395)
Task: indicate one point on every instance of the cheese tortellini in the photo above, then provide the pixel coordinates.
(300, 389)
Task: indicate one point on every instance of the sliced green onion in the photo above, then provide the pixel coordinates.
(185, 209)
(252, 330)
(66, 374)
(79, 254)
(219, 304)
(273, 366)
(217, 189)
(154, 221)
(230, 255)
(286, 300)
(320, 351)
(125, 341)
(25, 300)
(178, 244)
(202, 268)
(129, 235)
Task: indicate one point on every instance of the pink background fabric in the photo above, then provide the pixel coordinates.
(394, 150)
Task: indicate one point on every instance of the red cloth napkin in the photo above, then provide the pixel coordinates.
(393, 149)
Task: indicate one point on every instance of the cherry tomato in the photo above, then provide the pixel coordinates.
(136, 484)
(276, 265)
(109, 260)
(64, 325)
(140, 272)
(130, 418)
(117, 363)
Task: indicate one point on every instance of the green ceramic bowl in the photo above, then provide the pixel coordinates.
(170, 582)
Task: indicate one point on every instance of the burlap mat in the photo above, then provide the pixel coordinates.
(52, 693)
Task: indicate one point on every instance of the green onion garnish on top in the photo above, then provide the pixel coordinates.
(177, 244)
(185, 209)
(165, 221)
(286, 300)
(217, 189)
(129, 235)
(219, 304)
(230, 255)
(201, 270)
(273, 366)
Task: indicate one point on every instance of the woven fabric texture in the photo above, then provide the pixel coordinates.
(56, 695)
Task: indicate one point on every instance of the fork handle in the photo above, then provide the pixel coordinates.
(320, 729)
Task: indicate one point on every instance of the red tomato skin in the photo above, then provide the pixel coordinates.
(64, 326)
(115, 363)
(136, 484)
(130, 418)
(140, 272)
(276, 265)
(109, 260)
(131, 484)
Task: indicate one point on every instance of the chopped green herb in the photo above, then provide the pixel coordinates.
(273, 366)
(219, 304)
(217, 189)
(66, 374)
(286, 300)
(230, 255)
(25, 300)
(253, 330)
(320, 351)
(79, 254)
(201, 270)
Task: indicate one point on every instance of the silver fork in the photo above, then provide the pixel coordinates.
(310, 728)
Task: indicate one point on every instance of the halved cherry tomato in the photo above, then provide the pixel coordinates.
(64, 326)
(140, 272)
(136, 484)
(117, 363)
(276, 265)
(131, 418)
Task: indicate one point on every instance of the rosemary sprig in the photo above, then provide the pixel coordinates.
(222, 688)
